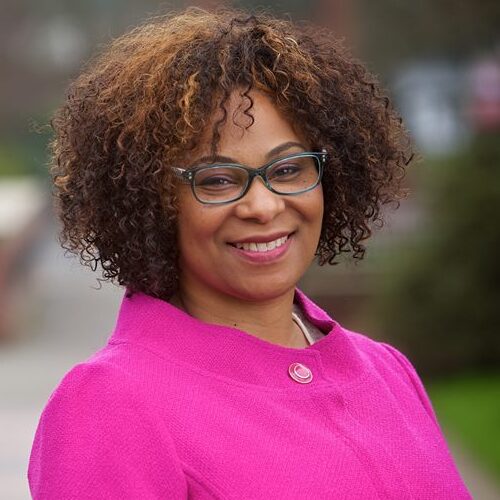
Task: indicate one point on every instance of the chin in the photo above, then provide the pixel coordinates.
(262, 291)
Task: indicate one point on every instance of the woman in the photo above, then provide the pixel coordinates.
(204, 160)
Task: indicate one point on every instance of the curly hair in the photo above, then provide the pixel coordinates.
(143, 103)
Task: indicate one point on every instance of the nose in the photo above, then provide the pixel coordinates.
(260, 203)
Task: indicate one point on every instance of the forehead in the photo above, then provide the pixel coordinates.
(250, 126)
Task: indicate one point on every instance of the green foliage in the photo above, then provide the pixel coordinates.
(12, 161)
(442, 303)
(24, 155)
(468, 407)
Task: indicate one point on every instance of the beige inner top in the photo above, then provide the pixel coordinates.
(311, 332)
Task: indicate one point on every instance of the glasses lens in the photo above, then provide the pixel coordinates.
(216, 184)
(293, 175)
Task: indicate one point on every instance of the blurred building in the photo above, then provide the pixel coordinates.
(430, 98)
(483, 108)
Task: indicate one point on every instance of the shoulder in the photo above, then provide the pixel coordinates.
(94, 399)
(111, 387)
(97, 379)
(392, 365)
(98, 434)
(381, 355)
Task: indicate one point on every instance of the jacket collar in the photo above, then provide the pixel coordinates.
(235, 355)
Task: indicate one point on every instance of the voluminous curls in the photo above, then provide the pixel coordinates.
(142, 105)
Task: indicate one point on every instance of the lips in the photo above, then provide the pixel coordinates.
(262, 242)
(266, 257)
(262, 247)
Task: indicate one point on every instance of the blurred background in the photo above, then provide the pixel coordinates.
(430, 282)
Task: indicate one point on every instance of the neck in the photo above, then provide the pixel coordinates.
(269, 319)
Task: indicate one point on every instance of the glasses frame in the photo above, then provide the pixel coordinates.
(188, 175)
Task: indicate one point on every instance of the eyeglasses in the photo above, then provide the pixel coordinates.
(227, 182)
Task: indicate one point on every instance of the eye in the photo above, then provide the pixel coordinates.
(214, 180)
(284, 171)
(217, 178)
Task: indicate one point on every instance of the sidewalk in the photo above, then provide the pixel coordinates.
(65, 321)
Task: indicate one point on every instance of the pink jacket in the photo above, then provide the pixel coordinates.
(175, 408)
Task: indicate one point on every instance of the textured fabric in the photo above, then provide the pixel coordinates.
(175, 408)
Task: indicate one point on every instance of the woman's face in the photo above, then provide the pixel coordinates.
(207, 234)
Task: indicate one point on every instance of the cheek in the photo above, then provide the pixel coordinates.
(189, 231)
(314, 218)
(320, 205)
(313, 211)
(192, 236)
(192, 244)
(198, 228)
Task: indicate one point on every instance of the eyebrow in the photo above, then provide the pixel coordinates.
(270, 154)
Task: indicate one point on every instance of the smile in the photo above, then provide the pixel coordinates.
(262, 247)
(262, 252)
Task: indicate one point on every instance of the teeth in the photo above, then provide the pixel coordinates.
(262, 247)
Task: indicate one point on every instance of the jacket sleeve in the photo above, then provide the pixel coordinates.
(415, 381)
(95, 440)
